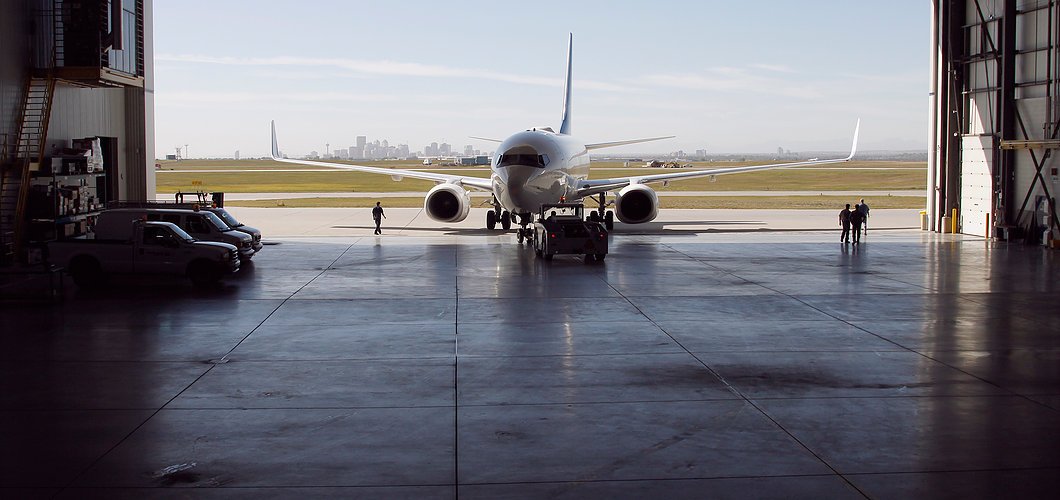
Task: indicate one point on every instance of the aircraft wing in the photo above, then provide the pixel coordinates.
(479, 183)
(597, 186)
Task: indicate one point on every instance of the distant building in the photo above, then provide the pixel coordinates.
(237, 154)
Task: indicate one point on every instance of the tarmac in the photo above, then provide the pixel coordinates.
(404, 222)
(713, 354)
(853, 195)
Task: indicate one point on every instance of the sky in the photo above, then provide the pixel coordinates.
(724, 76)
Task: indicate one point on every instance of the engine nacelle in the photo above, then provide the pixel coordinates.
(636, 204)
(447, 203)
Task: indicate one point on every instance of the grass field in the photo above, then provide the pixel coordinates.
(728, 202)
(854, 176)
(257, 176)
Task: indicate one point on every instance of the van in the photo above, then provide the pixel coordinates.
(116, 224)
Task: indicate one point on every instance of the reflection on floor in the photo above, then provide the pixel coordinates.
(778, 365)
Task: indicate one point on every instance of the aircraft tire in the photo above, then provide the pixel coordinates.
(506, 220)
(491, 220)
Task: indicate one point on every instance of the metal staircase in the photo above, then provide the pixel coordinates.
(23, 157)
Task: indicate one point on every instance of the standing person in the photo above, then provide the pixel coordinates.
(864, 209)
(844, 222)
(378, 215)
(856, 218)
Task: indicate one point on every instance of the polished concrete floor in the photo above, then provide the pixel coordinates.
(688, 365)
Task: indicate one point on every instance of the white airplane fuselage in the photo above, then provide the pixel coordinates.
(536, 167)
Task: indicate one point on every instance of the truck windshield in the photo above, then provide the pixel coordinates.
(182, 234)
(227, 217)
(216, 221)
(564, 212)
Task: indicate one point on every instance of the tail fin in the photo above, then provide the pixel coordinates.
(564, 127)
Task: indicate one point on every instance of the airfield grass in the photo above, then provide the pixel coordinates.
(666, 202)
(851, 176)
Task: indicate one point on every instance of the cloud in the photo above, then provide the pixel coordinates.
(742, 80)
(389, 68)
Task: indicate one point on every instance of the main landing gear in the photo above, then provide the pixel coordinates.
(504, 217)
(497, 214)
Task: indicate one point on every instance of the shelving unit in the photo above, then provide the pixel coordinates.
(65, 206)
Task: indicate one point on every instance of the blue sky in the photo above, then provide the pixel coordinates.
(723, 76)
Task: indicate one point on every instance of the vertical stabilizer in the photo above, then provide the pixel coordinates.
(275, 147)
(564, 126)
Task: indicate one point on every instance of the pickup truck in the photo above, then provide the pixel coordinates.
(202, 225)
(562, 229)
(153, 248)
(221, 213)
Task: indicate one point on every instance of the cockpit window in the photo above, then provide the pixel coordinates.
(539, 161)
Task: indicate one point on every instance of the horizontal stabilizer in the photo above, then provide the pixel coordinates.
(600, 145)
(485, 139)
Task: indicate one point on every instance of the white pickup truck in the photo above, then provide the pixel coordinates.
(154, 248)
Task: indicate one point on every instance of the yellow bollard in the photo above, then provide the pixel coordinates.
(954, 222)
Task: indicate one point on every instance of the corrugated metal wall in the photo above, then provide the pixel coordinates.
(997, 82)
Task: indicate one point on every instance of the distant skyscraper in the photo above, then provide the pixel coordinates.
(237, 154)
(361, 141)
(445, 149)
(469, 150)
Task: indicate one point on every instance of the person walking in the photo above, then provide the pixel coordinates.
(378, 215)
(856, 219)
(844, 222)
(864, 209)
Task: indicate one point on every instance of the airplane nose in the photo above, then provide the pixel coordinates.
(520, 170)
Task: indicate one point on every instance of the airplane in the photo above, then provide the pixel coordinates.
(541, 166)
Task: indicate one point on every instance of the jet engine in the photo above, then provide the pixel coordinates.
(636, 204)
(447, 203)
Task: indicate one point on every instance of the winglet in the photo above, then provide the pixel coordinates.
(854, 146)
(275, 148)
(564, 127)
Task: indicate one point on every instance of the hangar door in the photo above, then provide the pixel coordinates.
(977, 185)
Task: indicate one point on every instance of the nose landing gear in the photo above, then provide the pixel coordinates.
(607, 217)
(524, 233)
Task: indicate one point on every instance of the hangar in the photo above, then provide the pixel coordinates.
(994, 118)
(733, 361)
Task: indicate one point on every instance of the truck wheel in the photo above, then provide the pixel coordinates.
(86, 272)
(203, 273)
(609, 220)
(600, 257)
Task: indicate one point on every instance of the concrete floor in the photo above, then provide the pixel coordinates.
(688, 365)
